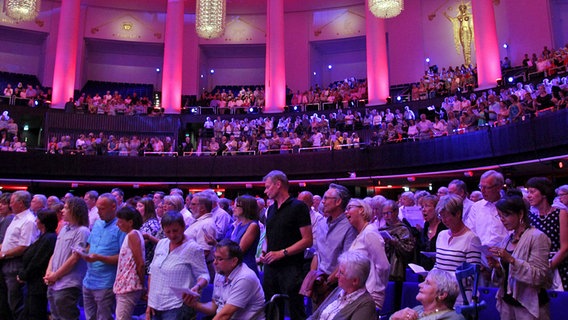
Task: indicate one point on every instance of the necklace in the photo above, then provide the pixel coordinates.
(426, 314)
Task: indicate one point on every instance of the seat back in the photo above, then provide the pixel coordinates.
(465, 274)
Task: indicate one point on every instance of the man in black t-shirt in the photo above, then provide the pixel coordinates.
(288, 235)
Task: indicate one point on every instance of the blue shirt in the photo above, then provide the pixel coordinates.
(105, 239)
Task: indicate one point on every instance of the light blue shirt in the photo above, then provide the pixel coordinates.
(105, 239)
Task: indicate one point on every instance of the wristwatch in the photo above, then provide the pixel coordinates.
(285, 252)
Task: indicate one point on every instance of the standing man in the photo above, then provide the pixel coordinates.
(119, 196)
(21, 233)
(459, 188)
(91, 201)
(335, 236)
(104, 245)
(39, 201)
(6, 217)
(288, 234)
(483, 219)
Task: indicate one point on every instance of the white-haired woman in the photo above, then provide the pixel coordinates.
(370, 243)
(437, 295)
(350, 300)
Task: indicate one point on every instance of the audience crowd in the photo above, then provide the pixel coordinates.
(335, 249)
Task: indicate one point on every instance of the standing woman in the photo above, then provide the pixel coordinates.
(458, 244)
(34, 262)
(370, 243)
(247, 230)
(178, 263)
(521, 264)
(432, 228)
(550, 220)
(129, 283)
(66, 269)
(399, 247)
(151, 229)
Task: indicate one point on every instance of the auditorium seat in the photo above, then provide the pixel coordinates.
(558, 303)
(490, 310)
(409, 292)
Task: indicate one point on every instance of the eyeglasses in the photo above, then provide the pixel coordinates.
(387, 212)
(219, 259)
(481, 187)
(328, 198)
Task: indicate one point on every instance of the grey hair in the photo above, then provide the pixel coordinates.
(176, 200)
(24, 196)
(342, 192)
(367, 211)
(452, 203)
(41, 198)
(357, 266)
(563, 188)
(204, 199)
(498, 177)
(445, 283)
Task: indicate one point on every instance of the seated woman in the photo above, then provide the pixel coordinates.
(350, 300)
(521, 264)
(437, 295)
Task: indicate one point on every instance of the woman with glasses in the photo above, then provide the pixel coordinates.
(247, 230)
(520, 263)
(370, 243)
(553, 221)
(151, 229)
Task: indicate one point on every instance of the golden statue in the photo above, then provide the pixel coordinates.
(462, 24)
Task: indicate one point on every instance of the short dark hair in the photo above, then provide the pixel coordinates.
(49, 219)
(130, 214)
(543, 185)
(172, 217)
(277, 175)
(233, 248)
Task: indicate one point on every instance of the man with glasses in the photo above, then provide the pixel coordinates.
(482, 218)
(237, 291)
(333, 238)
(203, 229)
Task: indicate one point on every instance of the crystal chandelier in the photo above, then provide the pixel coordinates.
(210, 18)
(22, 10)
(386, 8)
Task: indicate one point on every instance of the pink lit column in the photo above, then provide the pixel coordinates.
(486, 45)
(66, 53)
(173, 57)
(377, 61)
(275, 79)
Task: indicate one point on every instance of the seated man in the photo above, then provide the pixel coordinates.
(237, 292)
